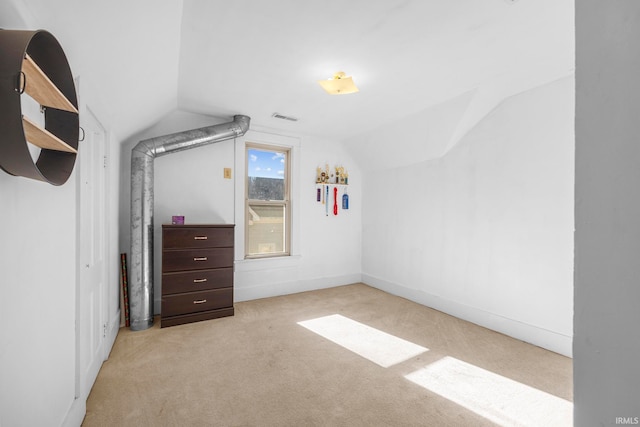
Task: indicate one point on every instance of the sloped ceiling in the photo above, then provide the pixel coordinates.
(125, 53)
(140, 60)
(257, 58)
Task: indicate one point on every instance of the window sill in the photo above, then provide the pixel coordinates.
(258, 264)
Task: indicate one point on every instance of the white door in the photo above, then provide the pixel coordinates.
(91, 312)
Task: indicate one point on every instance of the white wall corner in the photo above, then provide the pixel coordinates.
(76, 413)
(487, 97)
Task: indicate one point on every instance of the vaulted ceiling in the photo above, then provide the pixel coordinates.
(139, 60)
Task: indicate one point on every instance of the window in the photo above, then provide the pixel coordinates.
(267, 204)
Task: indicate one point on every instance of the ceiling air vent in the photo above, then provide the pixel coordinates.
(283, 117)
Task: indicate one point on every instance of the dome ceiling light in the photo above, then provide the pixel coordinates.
(339, 84)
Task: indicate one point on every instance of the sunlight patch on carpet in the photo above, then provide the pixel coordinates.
(372, 344)
(499, 399)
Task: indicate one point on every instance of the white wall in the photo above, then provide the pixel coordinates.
(38, 282)
(39, 274)
(607, 240)
(37, 308)
(326, 250)
(185, 184)
(485, 232)
(38, 261)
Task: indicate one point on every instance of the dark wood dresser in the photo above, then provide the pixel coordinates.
(197, 273)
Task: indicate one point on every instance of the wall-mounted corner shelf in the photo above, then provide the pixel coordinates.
(33, 63)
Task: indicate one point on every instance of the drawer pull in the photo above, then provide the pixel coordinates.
(200, 301)
(202, 258)
(200, 238)
(199, 280)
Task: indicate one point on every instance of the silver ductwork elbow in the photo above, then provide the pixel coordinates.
(142, 160)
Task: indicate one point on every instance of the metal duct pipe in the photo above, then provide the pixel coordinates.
(142, 157)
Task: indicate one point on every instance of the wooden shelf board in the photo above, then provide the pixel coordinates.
(43, 138)
(42, 89)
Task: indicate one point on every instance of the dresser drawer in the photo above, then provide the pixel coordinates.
(197, 237)
(198, 280)
(196, 259)
(193, 302)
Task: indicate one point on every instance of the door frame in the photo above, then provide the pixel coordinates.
(83, 385)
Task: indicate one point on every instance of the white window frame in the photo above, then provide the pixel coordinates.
(267, 136)
(286, 203)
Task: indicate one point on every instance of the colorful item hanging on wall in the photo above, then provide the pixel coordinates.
(336, 177)
(327, 198)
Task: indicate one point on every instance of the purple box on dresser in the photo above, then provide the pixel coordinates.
(177, 220)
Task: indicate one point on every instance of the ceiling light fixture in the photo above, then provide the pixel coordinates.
(339, 84)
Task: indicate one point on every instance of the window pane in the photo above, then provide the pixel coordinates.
(266, 174)
(261, 188)
(266, 233)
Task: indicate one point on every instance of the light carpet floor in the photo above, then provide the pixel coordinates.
(262, 367)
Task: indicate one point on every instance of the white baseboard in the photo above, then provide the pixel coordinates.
(112, 333)
(76, 413)
(78, 408)
(251, 292)
(550, 340)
